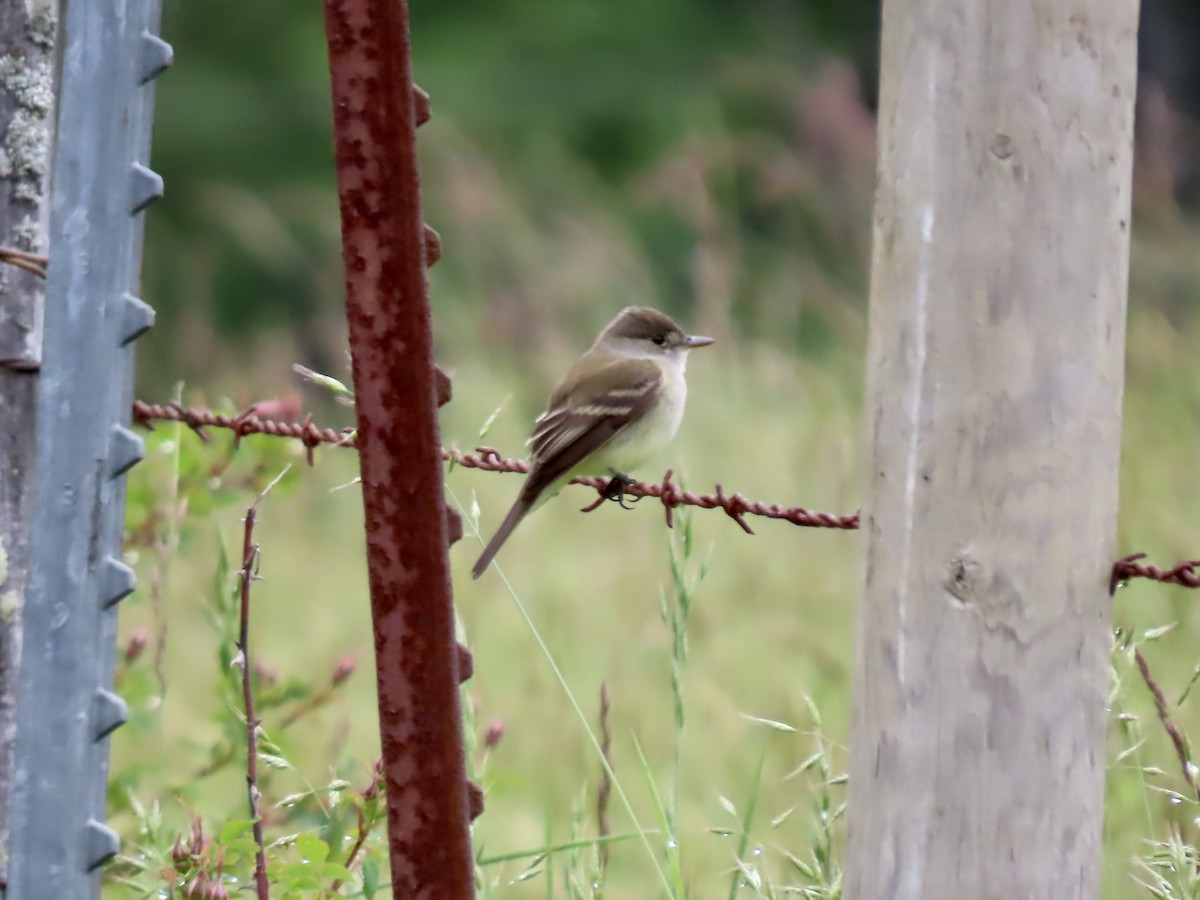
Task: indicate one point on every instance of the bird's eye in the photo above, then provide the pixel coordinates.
(659, 339)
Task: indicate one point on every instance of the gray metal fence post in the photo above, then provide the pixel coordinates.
(65, 706)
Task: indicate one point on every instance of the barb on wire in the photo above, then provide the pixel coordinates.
(488, 459)
(244, 423)
(30, 262)
(668, 493)
(1184, 574)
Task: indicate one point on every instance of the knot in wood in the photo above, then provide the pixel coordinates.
(1001, 145)
(962, 578)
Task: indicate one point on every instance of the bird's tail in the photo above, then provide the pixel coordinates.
(519, 510)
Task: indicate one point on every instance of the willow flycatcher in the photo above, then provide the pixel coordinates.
(618, 406)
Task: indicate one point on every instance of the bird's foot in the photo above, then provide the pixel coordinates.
(616, 487)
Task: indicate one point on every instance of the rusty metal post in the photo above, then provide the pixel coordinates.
(418, 665)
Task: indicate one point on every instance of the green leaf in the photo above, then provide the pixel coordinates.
(331, 871)
(234, 828)
(370, 877)
(312, 848)
(275, 762)
(747, 821)
(770, 723)
(244, 846)
(1153, 634)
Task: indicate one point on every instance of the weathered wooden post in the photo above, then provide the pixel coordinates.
(27, 43)
(994, 397)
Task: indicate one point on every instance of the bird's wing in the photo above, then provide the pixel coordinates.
(568, 432)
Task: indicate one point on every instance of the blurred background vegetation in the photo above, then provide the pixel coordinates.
(711, 158)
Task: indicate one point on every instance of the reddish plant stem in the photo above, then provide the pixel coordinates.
(1168, 724)
(354, 851)
(250, 556)
(604, 791)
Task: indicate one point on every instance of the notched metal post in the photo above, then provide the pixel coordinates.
(66, 708)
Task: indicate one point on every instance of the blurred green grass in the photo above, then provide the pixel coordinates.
(771, 624)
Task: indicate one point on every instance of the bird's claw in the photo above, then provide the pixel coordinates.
(616, 487)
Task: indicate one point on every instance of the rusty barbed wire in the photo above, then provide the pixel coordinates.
(242, 424)
(670, 494)
(488, 459)
(667, 492)
(22, 259)
(1185, 574)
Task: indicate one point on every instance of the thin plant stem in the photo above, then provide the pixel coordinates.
(250, 561)
(604, 791)
(579, 713)
(1164, 716)
(165, 550)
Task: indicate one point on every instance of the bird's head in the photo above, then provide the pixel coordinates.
(642, 331)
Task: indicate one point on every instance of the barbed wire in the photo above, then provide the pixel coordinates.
(1185, 574)
(23, 259)
(488, 459)
(246, 422)
(669, 493)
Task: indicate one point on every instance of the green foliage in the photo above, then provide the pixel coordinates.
(569, 115)
(319, 831)
(671, 661)
(1170, 869)
(182, 809)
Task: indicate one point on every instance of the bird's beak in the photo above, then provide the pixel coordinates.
(695, 340)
